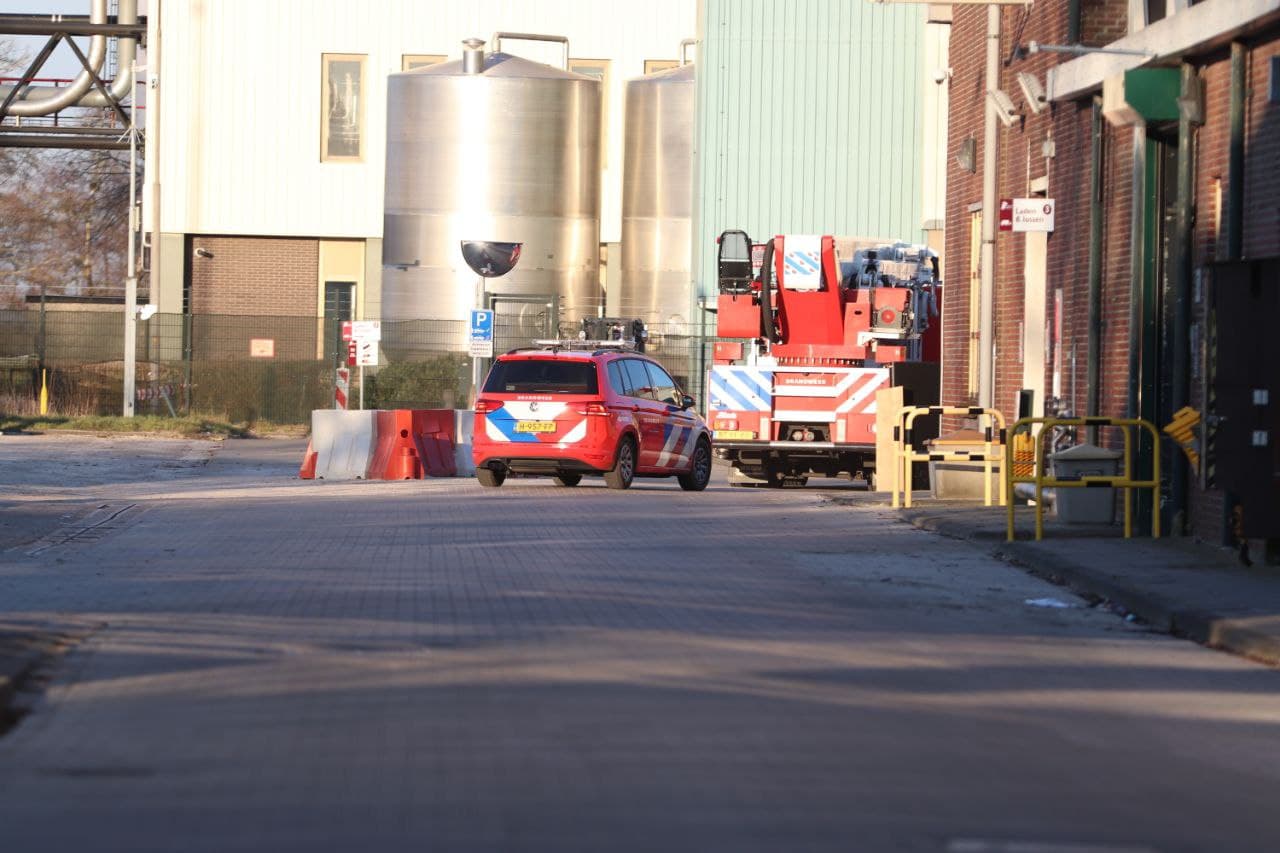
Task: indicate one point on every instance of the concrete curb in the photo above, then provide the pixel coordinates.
(1231, 633)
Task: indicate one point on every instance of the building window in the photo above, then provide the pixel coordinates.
(410, 61)
(653, 66)
(342, 91)
(599, 69)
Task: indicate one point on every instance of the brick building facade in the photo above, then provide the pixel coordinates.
(1078, 141)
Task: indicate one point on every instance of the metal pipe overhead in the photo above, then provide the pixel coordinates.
(563, 41)
(35, 140)
(78, 25)
(43, 100)
(46, 100)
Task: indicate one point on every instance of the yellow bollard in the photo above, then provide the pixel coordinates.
(44, 391)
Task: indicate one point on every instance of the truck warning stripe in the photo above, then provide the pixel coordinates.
(741, 389)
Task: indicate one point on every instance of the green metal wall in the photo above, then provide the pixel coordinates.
(808, 121)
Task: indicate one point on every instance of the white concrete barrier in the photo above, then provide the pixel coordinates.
(343, 442)
(463, 421)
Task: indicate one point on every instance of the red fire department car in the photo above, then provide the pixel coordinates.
(574, 408)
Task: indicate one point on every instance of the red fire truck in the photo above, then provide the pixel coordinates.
(797, 397)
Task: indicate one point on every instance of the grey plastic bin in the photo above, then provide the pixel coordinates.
(1081, 504)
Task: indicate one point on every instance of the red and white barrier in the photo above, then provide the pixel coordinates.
(400, 444)
(342, 388)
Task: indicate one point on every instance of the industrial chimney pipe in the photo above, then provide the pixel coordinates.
(473, 56)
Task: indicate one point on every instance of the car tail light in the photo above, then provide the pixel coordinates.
(484, 406)
(593, 409)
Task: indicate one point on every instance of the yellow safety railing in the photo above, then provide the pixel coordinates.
(1121, 481)
(992, 457)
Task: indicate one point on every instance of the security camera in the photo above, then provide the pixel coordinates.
(1034, 92)
(1003, 104)
(203, 253)
(941, 75)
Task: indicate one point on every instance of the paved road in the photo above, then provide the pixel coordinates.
(268, 664)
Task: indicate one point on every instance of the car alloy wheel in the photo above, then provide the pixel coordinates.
(699, 469)
(624, 468)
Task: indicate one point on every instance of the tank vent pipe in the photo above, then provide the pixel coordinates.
(473, 56)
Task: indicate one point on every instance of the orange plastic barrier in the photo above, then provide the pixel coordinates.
(412, 444)
(394, 456)
(433, 432)
(308, 469)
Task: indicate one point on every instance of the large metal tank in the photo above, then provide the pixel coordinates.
(657, 199)
(491, 147)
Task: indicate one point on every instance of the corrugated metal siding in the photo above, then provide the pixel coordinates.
(240, 83)
(809, 121)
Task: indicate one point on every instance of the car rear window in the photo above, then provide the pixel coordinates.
(543, 376)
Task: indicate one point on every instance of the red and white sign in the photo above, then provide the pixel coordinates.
(362, 330)
(352, 347)
(262, 348)
(1027, 214)
(1006, 214)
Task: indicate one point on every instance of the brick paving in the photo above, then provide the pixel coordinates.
(406, 666)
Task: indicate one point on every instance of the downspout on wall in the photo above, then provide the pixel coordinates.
(990, 216)
(1094, 403)
(1137, 266)
(1180, 381)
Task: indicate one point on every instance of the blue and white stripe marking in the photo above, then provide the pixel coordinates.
(675, 445)
(741, 389)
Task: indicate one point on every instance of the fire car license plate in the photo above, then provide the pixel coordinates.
(735, 434)
(535, 426)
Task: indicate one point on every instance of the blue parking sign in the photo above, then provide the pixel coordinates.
(481, 334)
(481, 325)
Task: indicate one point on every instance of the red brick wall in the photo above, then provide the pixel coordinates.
(1261, 204)
(1068, 125)
(1069, 184)
(1262, 153)
(963, 190)
(274, 276)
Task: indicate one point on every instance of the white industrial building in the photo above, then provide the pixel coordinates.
(267, 121)
(244, 203)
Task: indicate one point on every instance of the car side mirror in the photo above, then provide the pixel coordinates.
(686, 402)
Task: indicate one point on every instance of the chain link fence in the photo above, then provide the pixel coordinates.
(251, 369)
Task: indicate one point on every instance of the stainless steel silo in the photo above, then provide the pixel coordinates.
(657, 199)
(491, 147)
